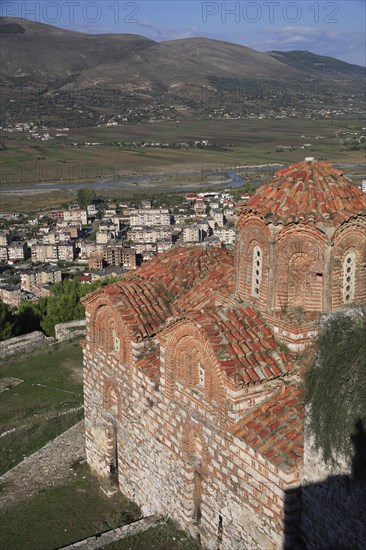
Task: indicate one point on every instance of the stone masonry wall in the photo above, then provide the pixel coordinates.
(24, 344)
(70, 330)
(333, 501)
(165, 445)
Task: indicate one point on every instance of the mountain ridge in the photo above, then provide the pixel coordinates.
(75, 72)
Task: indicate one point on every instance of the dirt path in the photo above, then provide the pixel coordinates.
(47, 467)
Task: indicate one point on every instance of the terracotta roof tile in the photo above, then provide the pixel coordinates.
(310, 192)
(275, 428)
(188, 283)
(254, 352)
(150, 364)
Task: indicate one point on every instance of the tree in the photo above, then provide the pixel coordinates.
(336, 385)
(28, 317)
(7, 329)
(86, 196)
(63, 305)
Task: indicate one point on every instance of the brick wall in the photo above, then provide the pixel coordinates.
(302, 272)
(350, 237)
(173, 443)
(252, 233)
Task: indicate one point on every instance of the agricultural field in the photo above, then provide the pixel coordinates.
(237, 142)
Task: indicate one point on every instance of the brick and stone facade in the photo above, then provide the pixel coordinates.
(192, 400)
(295, 236)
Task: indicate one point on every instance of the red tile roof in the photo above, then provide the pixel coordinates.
(275, 428)
(198, 284)
(179, 269)
(244, 345)
(309, 192)
(151, 295)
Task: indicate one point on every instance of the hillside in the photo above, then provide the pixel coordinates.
(43, 52)
(80, 79)
(240, 61)
(319, 65)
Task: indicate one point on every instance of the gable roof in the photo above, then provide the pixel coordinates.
(151, 295)
(245, 347)
(196, 284)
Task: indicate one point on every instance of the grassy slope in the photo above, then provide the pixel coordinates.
(165, 537)
(31, 405)
(61, 515)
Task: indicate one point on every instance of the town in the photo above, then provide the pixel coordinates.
(98, 241)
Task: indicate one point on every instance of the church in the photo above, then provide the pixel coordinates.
(192, 370)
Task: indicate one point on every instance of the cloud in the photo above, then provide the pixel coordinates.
(147, 25)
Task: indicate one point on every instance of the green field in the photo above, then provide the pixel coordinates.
(245, 141)
(37, 408)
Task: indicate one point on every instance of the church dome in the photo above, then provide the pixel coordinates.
(308, 191)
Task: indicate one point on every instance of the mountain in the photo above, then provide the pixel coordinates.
(319, 65)
(71, 72)
(240, 61)
(43, 52)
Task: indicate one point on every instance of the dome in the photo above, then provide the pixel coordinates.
(308, 191)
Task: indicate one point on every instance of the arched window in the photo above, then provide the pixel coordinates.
(349, 272)
(257, 271)
(115, 339)
(189, 364)
(110, 400)
(201, 375)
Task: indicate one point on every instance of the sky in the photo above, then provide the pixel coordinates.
(329, 28)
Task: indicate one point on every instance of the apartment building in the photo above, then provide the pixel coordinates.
(17, 252)
(4, 254)
(149, 216)
(12, 295)
(31, 280)
(103, 237)
(149, 234)
(77, 215)
(225, 234)
(53, 252)
(5, 238)
(57, 215)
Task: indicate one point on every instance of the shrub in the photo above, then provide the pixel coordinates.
(336, 385)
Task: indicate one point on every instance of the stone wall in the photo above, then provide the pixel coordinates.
(70, 330)
(174, 458)
(24, 344)
(333, 511)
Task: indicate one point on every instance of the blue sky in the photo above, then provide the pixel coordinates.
(329, 28)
